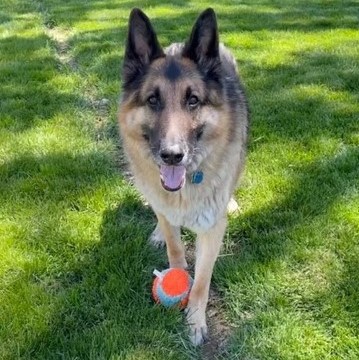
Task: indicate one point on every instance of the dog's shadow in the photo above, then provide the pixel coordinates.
(104, 303)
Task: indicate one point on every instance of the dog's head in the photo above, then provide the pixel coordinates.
(173, 101)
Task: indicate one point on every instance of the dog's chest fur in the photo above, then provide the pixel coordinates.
(196, 206)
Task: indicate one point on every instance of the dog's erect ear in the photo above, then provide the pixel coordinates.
(142, 46)
(203, 44)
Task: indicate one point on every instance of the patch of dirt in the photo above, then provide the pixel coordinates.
(219, 329)
(61, 39)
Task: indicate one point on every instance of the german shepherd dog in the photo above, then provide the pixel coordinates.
(183, 119)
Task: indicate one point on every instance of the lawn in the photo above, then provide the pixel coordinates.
(75, 265)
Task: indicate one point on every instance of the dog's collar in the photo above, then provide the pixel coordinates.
(197, 177)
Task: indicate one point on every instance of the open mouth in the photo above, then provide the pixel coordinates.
(172, 177)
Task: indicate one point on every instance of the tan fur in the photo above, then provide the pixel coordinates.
(175, 248)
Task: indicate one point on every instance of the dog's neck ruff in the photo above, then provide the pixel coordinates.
(197, 177)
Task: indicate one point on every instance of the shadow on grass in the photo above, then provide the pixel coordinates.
(4, 18)
(28, 95)
(103, 303)
(282, 233)
(294, 105)
(52, 178)
(292, 16)
(74, 11)
(316, 188)
(245, 15)
(91, 289)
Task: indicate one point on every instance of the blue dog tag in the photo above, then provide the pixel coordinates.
(197, 177)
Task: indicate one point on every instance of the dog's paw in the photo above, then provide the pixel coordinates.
(232, 207)
(198, 335)
(157, 239)
(197, 326)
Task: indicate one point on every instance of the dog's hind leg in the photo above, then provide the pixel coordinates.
(171, 236)
(208, 246)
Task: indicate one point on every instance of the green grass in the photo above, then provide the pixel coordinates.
(75, 266)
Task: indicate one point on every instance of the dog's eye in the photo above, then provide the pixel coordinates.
(153, 101)
(193, 101)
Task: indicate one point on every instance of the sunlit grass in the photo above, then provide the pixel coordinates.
(75, 266)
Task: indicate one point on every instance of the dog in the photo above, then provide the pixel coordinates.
(183, 119)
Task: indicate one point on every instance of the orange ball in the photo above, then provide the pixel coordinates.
(172, 287)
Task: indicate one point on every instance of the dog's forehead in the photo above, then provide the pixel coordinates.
(172, 74)
(173, 68)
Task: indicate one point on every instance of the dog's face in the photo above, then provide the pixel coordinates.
(174, 102)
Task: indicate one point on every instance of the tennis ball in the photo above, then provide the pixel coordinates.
(171, 287)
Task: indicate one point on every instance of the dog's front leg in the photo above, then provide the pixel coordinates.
(172, 237)
(207, 250)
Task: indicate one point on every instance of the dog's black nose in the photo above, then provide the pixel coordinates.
(171, 157)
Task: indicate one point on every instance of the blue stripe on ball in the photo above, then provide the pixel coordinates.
(169, 301)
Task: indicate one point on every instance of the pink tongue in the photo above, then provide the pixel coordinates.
(172, 176)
